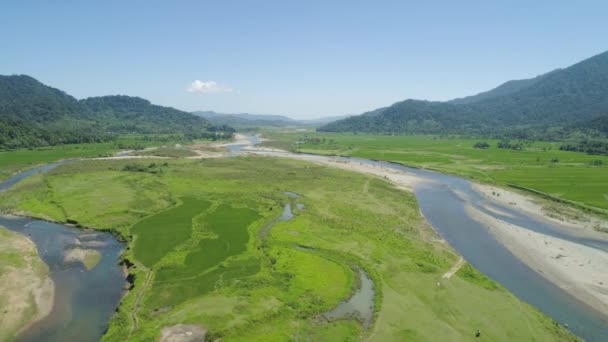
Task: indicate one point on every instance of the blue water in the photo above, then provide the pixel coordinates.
(442, 204)
(84, 300)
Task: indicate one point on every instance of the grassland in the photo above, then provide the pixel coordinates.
(540, 166)
(171, 152)
(193, 233)
(17, 160)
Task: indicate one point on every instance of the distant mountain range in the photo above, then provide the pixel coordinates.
(246, 120)
(33, 114)
(574, 98)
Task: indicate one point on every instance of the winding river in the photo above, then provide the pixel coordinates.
(85, 300)
(443, 200)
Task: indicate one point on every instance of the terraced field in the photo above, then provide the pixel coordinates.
(197, 257)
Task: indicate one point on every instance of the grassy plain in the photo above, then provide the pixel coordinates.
(572, 178)
(219, 272)
(17, 160)
(172, 152)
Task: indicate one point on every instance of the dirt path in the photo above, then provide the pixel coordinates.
(454, 268)
(137, 304)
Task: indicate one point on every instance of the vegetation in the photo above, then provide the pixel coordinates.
(564, 102)
(587, 146)
(33, 114)
(17, 160)
(541, 166)
(483, 145)
(172, 152)
(197, 255)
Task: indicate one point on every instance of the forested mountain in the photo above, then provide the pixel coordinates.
(507, 88)
(243, 120)
(564, 98)
(23, 98)
(126, 114)
(33, 114)
(246, 119)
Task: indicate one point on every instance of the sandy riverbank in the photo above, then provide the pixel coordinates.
(401, 179)
(568, 218)
(26, 291)
(580, 270)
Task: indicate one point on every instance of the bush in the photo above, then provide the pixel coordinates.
(482, 145)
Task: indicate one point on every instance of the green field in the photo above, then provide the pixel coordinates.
(572, 178)
(17, 160)
(159, 234)
(171, 152)
(193, 232)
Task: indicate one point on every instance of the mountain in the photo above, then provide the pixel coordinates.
(126, 114)
(563, 98)
(34, 114)
(245, 119)
(23, 98)
(323, 120)
(507, 88)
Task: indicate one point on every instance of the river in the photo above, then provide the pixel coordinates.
(443, 199)
(91, 296)
(85, 300)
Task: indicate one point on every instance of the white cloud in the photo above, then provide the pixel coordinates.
(208, 87)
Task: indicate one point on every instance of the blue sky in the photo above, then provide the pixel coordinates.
(300, 58)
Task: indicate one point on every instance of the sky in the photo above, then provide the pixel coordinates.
(304, 59)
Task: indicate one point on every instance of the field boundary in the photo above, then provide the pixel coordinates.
(545, 195)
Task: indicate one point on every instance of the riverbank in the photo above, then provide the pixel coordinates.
(26, 290)
(580, 270)
(569, 218)
(402, 180)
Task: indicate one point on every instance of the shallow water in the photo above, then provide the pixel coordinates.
(285, 216)
(18, 177)
(236, 149)
(360, 305)
(84, 300)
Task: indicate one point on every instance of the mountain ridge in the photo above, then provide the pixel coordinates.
(562, 98)
(35, 114)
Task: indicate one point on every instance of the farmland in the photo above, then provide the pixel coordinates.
(197, 255)
(541, 166)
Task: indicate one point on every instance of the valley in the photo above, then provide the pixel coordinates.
(233, 282)
(311, 171)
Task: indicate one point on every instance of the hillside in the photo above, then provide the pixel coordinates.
(126, 114)
(34, 114)
(564, 98)
(246, 119)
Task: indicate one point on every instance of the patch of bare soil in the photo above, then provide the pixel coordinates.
(183, 333)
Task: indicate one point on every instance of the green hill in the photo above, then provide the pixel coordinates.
(564, 98)
(34, 114)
